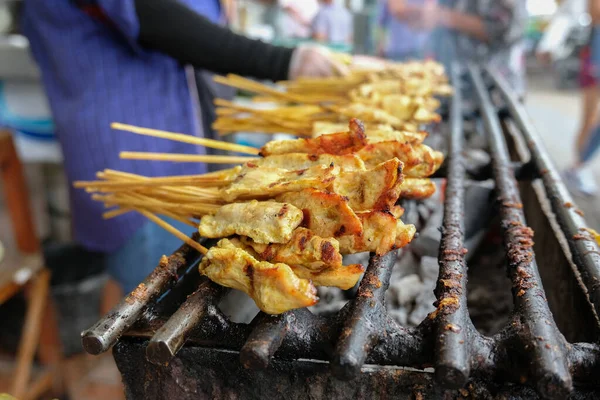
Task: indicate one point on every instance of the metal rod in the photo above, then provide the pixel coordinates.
(105, 333)
(537, 327)
(586, 252)
(365, 318)
(452, 345)
(265, 339)
(167, 341)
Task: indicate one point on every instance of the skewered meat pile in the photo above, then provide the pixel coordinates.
(288, 213)
(401, 96)
(286, 218)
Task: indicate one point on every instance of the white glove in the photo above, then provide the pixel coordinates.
(314, 61)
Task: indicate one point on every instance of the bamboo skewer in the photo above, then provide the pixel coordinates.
(170, 181)
(171, 229)
(116, 212)
(192, 208)
(135, 155)
(205, 194)
(180, 137)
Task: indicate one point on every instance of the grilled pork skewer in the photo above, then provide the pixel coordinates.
(304, 248)
(275, 288)
(264, 222)
(335, 143)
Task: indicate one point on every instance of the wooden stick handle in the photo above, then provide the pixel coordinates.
(180, 137)
(210, 159)
(171, 229)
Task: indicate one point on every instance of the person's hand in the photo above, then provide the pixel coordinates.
(315, 61)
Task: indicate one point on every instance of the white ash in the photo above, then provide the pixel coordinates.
(239, 307)
(331, 300)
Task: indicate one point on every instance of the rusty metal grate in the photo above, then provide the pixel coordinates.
(530, 349)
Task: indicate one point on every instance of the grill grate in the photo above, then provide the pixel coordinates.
(530, 349)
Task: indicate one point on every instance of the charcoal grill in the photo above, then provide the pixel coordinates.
(171, 341)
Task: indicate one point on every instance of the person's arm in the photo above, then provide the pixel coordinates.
(173, 28)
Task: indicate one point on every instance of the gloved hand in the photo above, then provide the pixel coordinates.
(315, 61)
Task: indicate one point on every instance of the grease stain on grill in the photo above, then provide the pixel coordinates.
(138, 294)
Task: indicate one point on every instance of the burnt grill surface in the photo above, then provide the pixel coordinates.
(529, 356)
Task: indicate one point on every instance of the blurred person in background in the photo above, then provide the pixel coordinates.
(579, 177)
(396, 39)
(295, 18)
(333, 23)
(129, 61)
(488, 32)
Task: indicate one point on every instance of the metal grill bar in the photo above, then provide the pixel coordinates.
(585, 250)
(172, 335)
(537, 328)
(105, 333)
(530, 348)
(452, 345)
(365, 319)
(265, 339)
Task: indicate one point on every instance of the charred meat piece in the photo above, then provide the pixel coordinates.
(368, 113)
(385, 134)
(326, 214)
(420, 161)
(275, 288)
(299, 161)
(417, 188)
(342, 276)
(336, 143)
(373, 189)
(305, 248)
(264, 222)
(382, 232)
(264, 183)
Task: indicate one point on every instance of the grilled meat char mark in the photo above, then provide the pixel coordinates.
(340, 143)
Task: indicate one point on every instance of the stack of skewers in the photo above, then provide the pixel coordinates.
(400, 97)
(289, 211)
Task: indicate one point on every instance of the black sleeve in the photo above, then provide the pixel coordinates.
(173, 28)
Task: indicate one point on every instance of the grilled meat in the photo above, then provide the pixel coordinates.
(382, 232)
(336, 143)
(264, 222)
(419, 161)
(417, 188)
(275, 288)
(343, 276)
(299, 161)
(266, 182)
(305, 248)
(326, 214)
(373, 189)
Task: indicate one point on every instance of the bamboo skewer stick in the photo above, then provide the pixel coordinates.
(195, 208)
(171, 181)
(171, 229)
(180, 137)
(134, 155)
(204, 194)
(116, 212)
